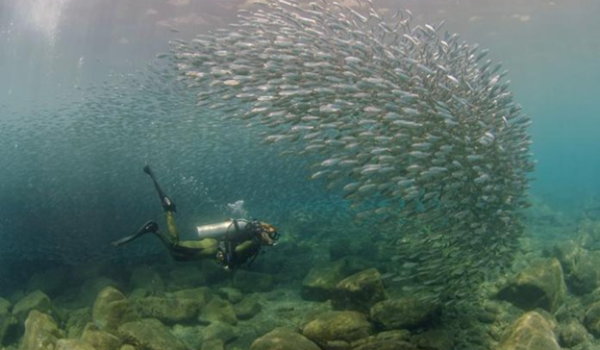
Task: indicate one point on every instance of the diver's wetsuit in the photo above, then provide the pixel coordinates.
(186, 250)
(241, 250)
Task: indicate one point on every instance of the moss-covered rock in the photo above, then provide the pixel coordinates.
(221, 331)
(232, 295)
(213, 344)
(250, 282)
(359, 291)
(200, 295)
(530, 332)
(167, 310)
(434, 339)
(218, 310)
(403, 313)
(585, 276)
(92, 287)
(572, 334)
(41, 332)
(569, 253)
(321, 280)
(37, 300)
(540, 285)
(592, 319)
(337, 327)
(389, 340)
(191, 335)
(99, 339)
(247, 308)
(73, 344)
(150, 334)
(112, 309)
(77, 321)
(283, 339)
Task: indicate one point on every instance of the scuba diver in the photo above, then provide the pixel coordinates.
(231, 243)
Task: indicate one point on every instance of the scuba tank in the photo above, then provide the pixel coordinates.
(225, 230)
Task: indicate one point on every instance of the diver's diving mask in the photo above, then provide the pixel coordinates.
(271, 232)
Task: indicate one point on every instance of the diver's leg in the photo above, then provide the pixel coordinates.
(181, 251)
(148, 227)
(166, 203)
(172, 227)
(185, 250)
(196, 250)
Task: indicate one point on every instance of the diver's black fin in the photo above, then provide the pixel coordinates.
(148, 227)
(166, 203)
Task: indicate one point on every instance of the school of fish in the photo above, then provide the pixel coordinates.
(414, 126)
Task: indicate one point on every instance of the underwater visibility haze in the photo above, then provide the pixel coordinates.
(431, 168)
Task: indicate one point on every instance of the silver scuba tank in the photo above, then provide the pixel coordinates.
(221, 230)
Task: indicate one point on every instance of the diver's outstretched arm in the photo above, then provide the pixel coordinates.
(167, 204)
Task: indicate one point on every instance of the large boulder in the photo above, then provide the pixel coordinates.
(539, 285)
(247, 308)
(436, 339)
(389, 340)
(92, 287)
(73, 344)
(403, 313)
(530, 332)
(337, 327)
(76, 322)
(213, 344)
(569, 253)
(250, 282)
(41, 332)
(220, 331)
(112, 309)
(283, 339)
(167, 310)
(37, 300)
(232, 295)
(359, 291)
(191, 335)
(572, 334)
(218, 310)
(585, 276)
(99, 339)
(150, 334)
(321, 280)
(201, 296)
(592, 319)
